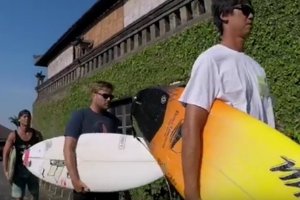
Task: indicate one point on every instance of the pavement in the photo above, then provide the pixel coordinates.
(46, 191)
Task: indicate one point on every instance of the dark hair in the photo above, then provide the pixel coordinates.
(219, 7)
(24, 112)
(101, 84)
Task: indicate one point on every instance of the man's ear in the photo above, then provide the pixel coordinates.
(224, 17)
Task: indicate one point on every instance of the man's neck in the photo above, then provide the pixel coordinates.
(233, 42)
(24, 129)
(96, 109)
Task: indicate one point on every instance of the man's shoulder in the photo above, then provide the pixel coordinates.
(212, 52)
(207, 60)
(35, 130)
(110, 115)
(80, 112)
(219, 53)
(12, 135)
(37, 133)
(210, 56)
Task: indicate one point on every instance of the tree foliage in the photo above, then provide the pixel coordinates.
(14, 120)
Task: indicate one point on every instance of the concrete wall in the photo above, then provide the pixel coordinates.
(134, 9)
(108, 24)
(60, 62)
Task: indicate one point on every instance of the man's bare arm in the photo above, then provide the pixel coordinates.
(72, 133)
(6, 150)
(194, 122)
(70, 157)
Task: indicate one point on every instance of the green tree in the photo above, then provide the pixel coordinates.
(14, 120)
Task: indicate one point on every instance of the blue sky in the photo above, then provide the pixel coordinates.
(26, 28)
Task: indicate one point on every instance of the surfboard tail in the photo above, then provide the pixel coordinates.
(25, 158)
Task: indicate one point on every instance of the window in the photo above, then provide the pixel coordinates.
(122, 109)
(81, 47)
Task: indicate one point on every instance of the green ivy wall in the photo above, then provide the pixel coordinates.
(274, 42)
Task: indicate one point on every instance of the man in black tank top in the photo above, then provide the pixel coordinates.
(22, 139)
(95, 119)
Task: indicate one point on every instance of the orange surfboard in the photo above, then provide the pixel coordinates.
(243, 158)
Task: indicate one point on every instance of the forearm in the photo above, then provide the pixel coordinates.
(71, 164)
(191, 152)
(5, 161)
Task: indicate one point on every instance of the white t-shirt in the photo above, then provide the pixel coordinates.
(233, 77)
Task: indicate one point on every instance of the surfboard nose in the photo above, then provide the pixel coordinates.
(148, 110)
(25, 158)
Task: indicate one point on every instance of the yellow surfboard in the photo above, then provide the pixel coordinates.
(242, 159)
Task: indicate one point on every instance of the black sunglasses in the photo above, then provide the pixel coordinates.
(246, 9)
(106, 96)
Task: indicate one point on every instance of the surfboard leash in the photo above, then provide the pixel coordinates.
(134, 134)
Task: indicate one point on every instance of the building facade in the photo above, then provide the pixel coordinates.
(108, 32)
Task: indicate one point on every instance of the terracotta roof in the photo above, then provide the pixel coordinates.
(75, 30)
(4, 132)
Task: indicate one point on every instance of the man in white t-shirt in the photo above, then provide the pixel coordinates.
(222, 72)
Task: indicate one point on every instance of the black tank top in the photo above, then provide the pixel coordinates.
(21, 145)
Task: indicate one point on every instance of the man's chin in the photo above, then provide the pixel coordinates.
(106, 106)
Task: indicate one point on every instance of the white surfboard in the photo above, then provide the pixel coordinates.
(106, 162)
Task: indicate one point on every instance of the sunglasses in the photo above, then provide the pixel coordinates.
(246, 9)
(106, 96)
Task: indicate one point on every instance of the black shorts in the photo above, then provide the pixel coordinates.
(95, 196)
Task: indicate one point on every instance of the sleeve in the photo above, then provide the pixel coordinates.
(203, 85)
(74, 125)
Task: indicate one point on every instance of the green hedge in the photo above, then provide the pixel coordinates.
(274, 42)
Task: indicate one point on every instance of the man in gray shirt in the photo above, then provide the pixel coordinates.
(94, 119)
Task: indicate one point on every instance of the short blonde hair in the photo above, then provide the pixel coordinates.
(100, 85)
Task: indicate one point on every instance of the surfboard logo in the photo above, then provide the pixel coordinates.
(175, 136)
(163, 99)
(56, 169)
(122, 143)
(294, 173)
(172, 126)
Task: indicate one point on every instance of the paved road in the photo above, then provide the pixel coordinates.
(5, 188)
